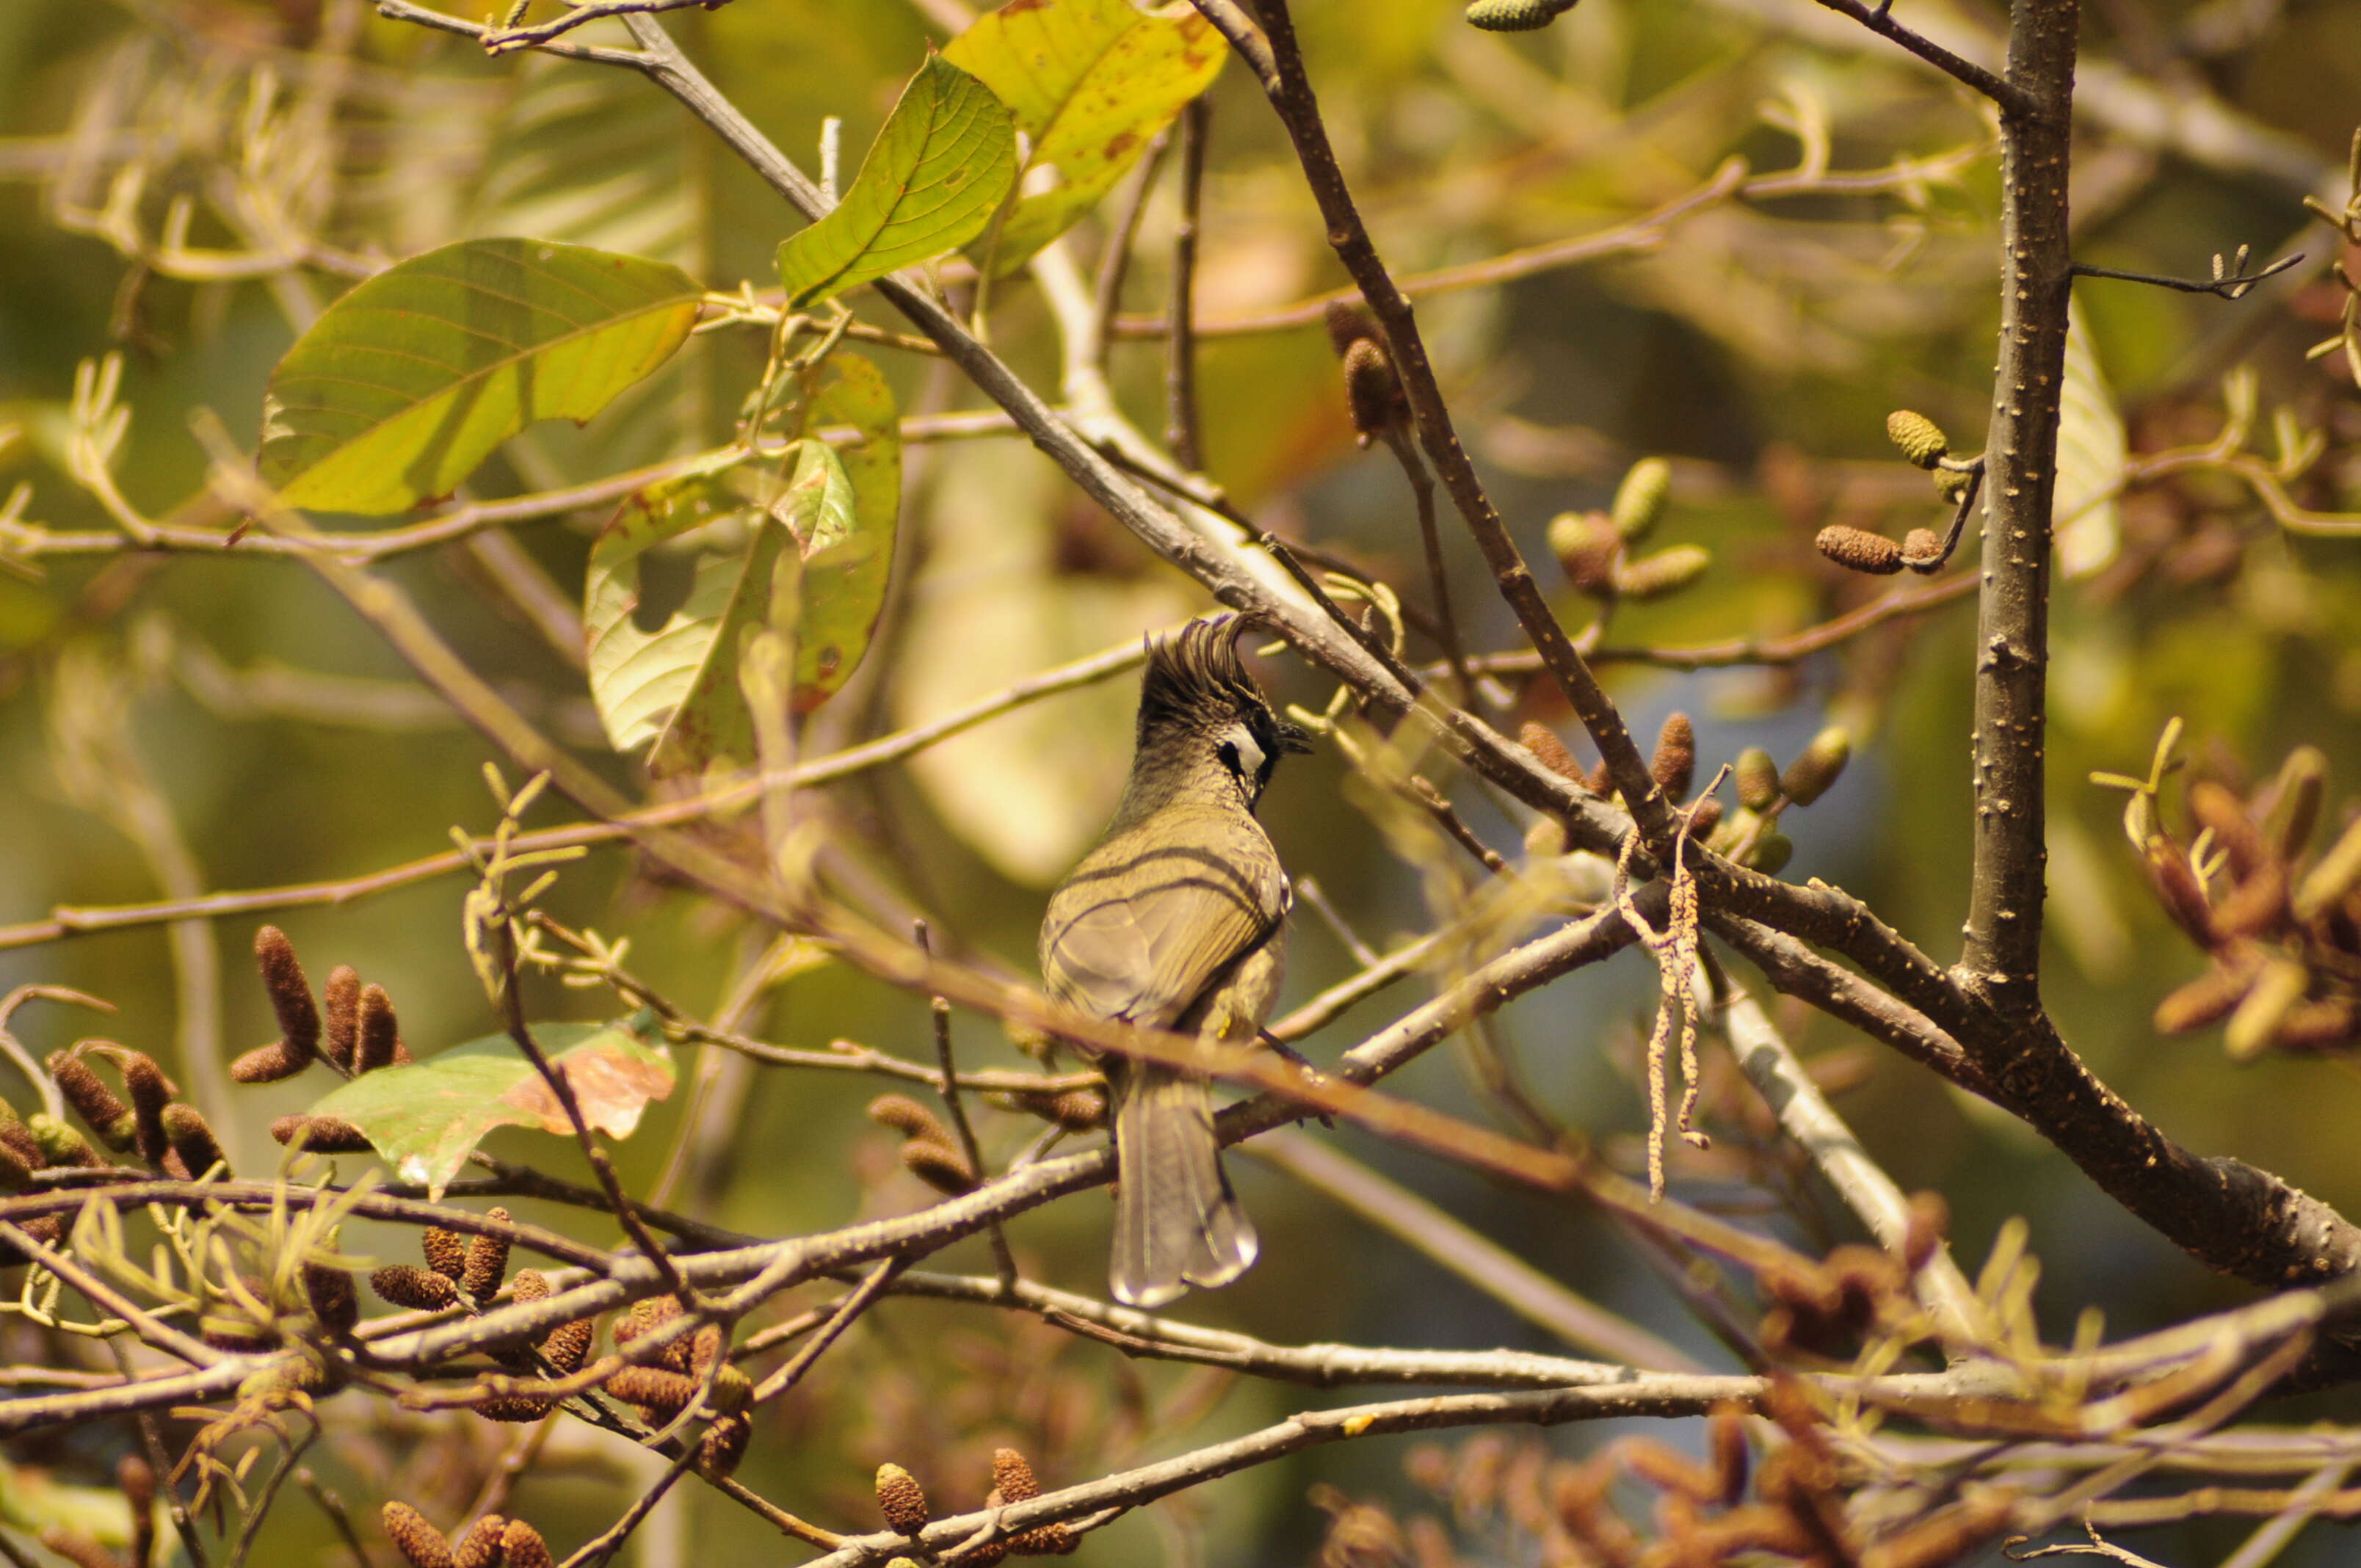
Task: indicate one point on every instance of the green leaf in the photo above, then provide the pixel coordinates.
(931, 181)
(1092, 83)
(2092, 452)
(427, 1117)
(406, 383)
(688, 570)
(845, 590)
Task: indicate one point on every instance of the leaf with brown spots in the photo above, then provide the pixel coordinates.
(427, 1117)
(1091, 83)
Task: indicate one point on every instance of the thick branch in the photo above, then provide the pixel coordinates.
(2002, 953)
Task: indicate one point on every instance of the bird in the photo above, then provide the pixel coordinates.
(1178, 920)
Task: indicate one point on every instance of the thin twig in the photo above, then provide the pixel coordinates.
(1879, 20)
(1181, 351)
(36, 1075)
(1272, 51)
(561, 1087)
(855, 1302)
(2235, 285)
(939, 1011)
(1422, 487)
(1115, 258)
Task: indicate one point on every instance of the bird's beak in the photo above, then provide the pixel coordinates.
(1293, 737)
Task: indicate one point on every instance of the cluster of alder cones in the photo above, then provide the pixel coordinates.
(682, 1370)
(904, 1504)
(490, 1542)
(1750, 835)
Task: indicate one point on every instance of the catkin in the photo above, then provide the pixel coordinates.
(419, 1543)
(291, 993)
(522, 1546)
(379, 1042)
(1859, 550)
(341, 1004)
(193, 1139)
(481, 1547)
(1674, 764)
(96, 1104)
(321, 1135)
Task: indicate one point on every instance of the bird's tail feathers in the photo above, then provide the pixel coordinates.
(1177, 1222)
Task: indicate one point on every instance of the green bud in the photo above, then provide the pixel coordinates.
(1772, 852)
(1951, 484)
(2332, 877)
(61, 1143)
(2295, 811)
(1921, 438)
(1640, 499)
(1588, 546)
(2280, 987)
(1665, 572)
(1809, 775)
(1515, 16)
(1757, 777)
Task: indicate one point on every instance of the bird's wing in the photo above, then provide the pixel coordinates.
(1140, 933)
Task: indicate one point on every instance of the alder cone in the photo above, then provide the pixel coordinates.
(902, 1501)
(334, 1300)
(488, 1261)
(445, 1252)
(480, 1547)
(659, 1392)
(907, 1117)
(567, 1345)
(1674, 764)
(940, 1166)
(421, 1290)
(420, 1544)
(522, 1546)
(1859, 550)
(1551, 753)
(724, 1444)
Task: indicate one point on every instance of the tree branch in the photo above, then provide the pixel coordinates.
(2008, 94)
(2002, 958)
(1278, 63)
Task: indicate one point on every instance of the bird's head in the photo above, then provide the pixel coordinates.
(1202, 716)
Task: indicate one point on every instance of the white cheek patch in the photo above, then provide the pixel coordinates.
(1250, 756)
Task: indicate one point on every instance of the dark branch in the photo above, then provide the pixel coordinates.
(1879, 20)
(2233, 283)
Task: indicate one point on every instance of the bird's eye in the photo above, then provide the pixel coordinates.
(1229, 755)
